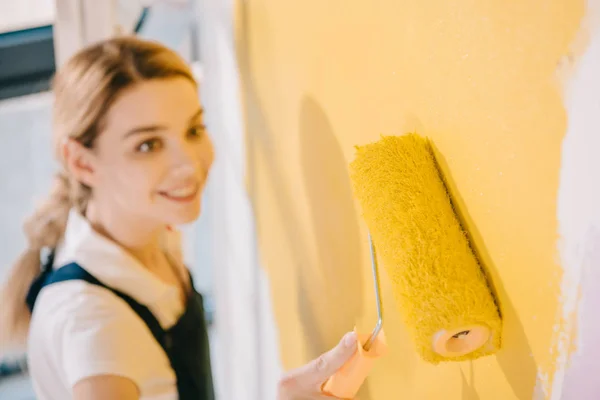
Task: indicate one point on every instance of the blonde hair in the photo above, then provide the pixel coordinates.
(84, 90)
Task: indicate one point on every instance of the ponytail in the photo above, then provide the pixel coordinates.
(44, 229)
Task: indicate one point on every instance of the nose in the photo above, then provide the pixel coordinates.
(185, 161)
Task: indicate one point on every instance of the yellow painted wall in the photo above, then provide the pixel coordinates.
(319, 77)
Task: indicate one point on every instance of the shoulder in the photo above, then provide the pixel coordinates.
(74, 298)
(87, 330)
(78, 303)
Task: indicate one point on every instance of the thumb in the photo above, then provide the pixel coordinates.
(320, 369)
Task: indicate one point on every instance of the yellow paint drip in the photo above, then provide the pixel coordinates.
(438, 283)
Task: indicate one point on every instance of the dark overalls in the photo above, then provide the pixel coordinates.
(185, 343)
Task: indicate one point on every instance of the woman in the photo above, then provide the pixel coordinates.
(114, 314)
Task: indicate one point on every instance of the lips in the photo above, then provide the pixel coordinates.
(183, 193)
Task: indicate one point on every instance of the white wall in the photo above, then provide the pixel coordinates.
(249, 364)
(26, 168)
(579, 222)
(22, 14)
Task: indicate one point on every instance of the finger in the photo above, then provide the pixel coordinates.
(319, 370)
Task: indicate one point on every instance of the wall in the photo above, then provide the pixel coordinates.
(579, 221)
(480, 79)
(25, 14)
(25, 134)
(246, 345)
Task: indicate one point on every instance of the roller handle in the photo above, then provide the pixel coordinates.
(346, 382)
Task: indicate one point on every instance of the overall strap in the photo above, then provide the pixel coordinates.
(73, 271)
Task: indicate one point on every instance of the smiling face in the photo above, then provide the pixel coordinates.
(152, 157)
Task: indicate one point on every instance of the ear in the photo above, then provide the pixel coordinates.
(80, 161)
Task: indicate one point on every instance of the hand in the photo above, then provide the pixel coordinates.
(305, 383)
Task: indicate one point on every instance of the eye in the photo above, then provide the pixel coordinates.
(197, 131)
(149, 146)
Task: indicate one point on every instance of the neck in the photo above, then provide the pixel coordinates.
(140, 237)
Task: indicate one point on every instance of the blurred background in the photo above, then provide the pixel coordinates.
(36, 36)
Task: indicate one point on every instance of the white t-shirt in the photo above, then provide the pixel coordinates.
(79, 330)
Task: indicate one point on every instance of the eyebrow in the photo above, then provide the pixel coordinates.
(155, 128)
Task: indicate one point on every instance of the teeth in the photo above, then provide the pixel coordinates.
(182, 192)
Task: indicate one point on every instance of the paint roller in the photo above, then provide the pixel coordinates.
(440, 289)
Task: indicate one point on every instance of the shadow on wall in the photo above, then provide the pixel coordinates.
(468, 391)
(515, 356)
(330, 284)
(330, 309)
